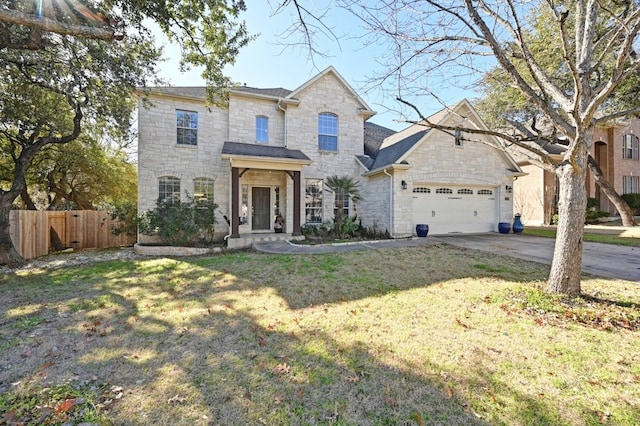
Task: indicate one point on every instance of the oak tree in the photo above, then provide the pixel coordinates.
(457, 42)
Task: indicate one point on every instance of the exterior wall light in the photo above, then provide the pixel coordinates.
(404, 184)
(508, 188)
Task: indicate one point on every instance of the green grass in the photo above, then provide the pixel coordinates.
(425, 335)
(590, 237)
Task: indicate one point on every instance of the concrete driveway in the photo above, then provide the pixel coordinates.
(604, 260)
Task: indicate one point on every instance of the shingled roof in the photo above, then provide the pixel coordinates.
(276, 92)
(374, 135)
(392, 153)
(200, 92)
(259, 150)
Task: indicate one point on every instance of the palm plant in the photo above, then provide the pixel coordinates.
(343, 187)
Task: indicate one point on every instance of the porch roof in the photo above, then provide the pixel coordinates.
(260, 156)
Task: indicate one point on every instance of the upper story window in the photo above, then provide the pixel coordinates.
(313, 201)
(630, 147)
(169, 188)
(187, 126)
(458, 137)
(262, 129)
(327, 132)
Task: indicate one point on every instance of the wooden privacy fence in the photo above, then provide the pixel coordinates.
(36, 233)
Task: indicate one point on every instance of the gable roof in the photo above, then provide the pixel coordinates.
(393, 153)
(365, 109)
(397, 147)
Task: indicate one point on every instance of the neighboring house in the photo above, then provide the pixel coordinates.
(268, 153)
(616, 150)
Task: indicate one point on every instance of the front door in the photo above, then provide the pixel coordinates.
(261, 212)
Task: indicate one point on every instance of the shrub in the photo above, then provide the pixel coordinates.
(347, 227)
(178, 223)
(592, 216)
(126, 213)
(633, 200)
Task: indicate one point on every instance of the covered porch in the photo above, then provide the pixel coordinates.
(266, 192)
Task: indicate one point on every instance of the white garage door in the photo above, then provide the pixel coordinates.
(449, 209)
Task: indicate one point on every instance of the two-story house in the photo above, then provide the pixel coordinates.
(268, 153)
(616, 150)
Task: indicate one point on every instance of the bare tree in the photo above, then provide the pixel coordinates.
(461, 40)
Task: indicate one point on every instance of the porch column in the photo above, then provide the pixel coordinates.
(235, 202)
(296, 203)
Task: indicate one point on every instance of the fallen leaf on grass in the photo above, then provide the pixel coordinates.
(352, 379)
(177, 399)
(279, 398)
(418, 418)
(281, 369)
(460, 323)
(491, 394)
(65, 406)
(388, 399)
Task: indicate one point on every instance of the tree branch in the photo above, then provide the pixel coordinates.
(45, 24)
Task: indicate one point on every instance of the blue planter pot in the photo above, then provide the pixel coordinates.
(518, 227)
(504, 227)
(422, 229)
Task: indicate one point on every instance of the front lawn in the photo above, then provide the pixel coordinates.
(588, 236)
(415, 336)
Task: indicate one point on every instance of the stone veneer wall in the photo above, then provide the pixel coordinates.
(326, 95)
(242, 126)
(159, 154)
(374, 210)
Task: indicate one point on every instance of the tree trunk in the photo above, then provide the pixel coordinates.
(623, 208)
(8, 253)
(26, 199)
(566, 267)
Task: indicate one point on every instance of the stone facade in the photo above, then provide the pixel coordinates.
(478, 163)
(260, 175)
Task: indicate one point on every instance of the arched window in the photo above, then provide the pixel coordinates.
(465, 191)
(327, 132)
(630, 146)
